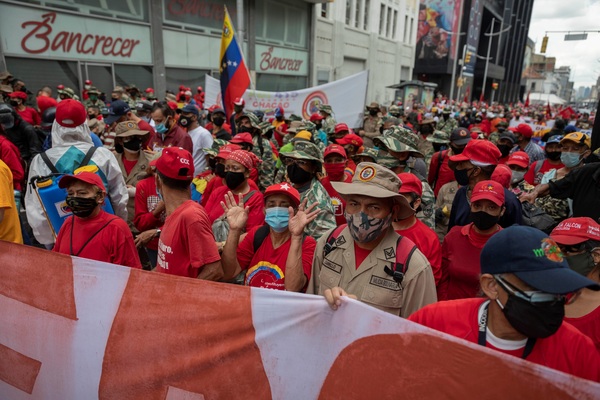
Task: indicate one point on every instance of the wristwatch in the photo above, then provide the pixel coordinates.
(158, 231)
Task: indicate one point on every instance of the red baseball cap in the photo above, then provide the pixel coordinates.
(83, 176)
(316, 117)
(341, 127)
(244, 137)
(410, 183)
(335, 149)
(88, 82)
(227, 149)
(502, 174)
(525, 130)
(172, 105)
(199, 88)
(351, 138)
(149, 90)
(519, 158)
(576, 230)
(70, 113)
(488, 190)
(286, 189)
(239, 101)
(181, 87)
(176, 163)
(480, 151)
(18, 95)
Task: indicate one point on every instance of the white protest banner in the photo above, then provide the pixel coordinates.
(80, 329)
(346, 96)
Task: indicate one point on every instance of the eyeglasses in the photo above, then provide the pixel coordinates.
(532, 296)
(577, 248)
(290, 161)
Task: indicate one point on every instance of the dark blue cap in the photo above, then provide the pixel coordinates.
(117, 109)
(555, 139)
(569, 129)
(188, 109)
(534, 258)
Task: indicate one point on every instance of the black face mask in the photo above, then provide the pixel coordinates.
(14, 103)
(234, 179)
(119, 148)
(553, 155)
(134, 144)
(220, 170)
(483, 221)
(462, 176)
(114, 98)
(426, 130)
(243, 129)
(297, 175)
(534, 320)
(457, 150)
(24, 89)
(373, 112)
(318, 126)
(280, 118)
(504, 149)
(218, 121)
(82, 207)
(212, 163)
(439, 147)
(184, 121)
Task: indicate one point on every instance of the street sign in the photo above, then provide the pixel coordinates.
(576, 36)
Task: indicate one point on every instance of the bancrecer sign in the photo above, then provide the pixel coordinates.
(281, 61)
(64, 36)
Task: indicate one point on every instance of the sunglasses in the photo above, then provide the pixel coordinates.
(532, 296)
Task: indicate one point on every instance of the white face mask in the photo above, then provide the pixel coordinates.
(517, 176)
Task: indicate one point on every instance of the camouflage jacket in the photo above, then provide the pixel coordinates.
(426, 148)
(447, 126)
(371, 126)
(328, 125)
(88, 103)
(266, 170)
(426, 215)
(326, 219)
(443, 206)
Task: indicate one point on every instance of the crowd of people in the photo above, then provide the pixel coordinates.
(481, 221)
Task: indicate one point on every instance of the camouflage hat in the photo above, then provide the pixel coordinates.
(439, 137)
(304, 150)
(294, 117)
(214, 149)
(394, 109)
(326, 108)
(265, 127)
(399, 139)
(309, 126)
(254, 121)
(67, 92)
(388, 161)
(427, 121)
(373, 105)
(295, 126)
(6, 89)
(93, 90)
(502, 123)
(446, 110)
(368, 152)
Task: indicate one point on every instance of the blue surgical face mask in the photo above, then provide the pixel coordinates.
(161, 128)
(277, 218)
(570, 159)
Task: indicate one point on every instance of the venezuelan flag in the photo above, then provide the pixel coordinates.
(235, 78)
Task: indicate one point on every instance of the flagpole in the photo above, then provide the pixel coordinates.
(240, 41)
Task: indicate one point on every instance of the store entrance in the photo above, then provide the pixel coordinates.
(102, 76)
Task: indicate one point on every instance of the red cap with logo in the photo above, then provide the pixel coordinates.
(341, 127)
(70, 113)
(243, 137)
(83, 176)
(410, 184)
(488, 190)
(352, 139)
(286, 189)
(481, 151)
(239, 101)
(576, 230)
(334, 149)
(316, 117)
(502, 174)
(524, 130)
(18, 95)
(519, 158)
(176, 163)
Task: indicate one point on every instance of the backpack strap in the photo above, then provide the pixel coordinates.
(333, 235)
(88, 156)
(259, 236)
(49, 163)
(537, 167)
(404, 251)
(440, 160)
(248, 195)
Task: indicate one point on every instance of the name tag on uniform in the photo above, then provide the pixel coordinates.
(385, 283)
(332, 266)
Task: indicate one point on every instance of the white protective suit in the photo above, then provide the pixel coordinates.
(69, 146)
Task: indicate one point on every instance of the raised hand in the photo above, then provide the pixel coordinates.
(303, 217)
(237, 214)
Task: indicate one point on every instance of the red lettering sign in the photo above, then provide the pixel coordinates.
(39, 39)
(269, 62)
(199, 8)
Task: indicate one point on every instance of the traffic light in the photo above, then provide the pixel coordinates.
(468, 57)
(544, 44)
(495, 86)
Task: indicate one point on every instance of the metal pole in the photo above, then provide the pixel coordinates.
(455, 61)
(487, 61)
(240, 25)
(462, 68)
(493, 93)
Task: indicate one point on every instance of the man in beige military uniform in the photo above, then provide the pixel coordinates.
(371, 124)
(362, 259)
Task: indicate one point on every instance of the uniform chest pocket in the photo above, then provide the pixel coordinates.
(330, 274)
(383, 293)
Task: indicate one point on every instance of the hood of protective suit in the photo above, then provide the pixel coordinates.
(63, 136)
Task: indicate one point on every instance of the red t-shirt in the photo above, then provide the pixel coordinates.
(186, 243)
(256, 216)
(10, 154)
(45, 102)
(216, 183)
(534, 178)
(337, 201)
(444, 176)
(98, 239)
(30, 115)
(128, 164)
(428, 243)
(146, 200)
(460, 263)
(360, 254)
(266, 267)
(589, 325)
(568, 350)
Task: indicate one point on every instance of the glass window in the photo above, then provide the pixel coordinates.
(324, 9)
(366, 19)
(395, 24)
(405, 28)
(140, 76)
(388, 25)
(357, 9)
(130, 9)
(412, 26)
(39, 73)
(279, 83)
(187, 77)
(276, 25)
(288, 23)
(200, 15)
(348, 11)
(382, 20)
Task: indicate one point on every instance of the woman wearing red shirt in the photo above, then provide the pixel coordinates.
(282, 260)
(462, 246)
(28, 114)
(238, 165)
(335, 166)
(92, 232)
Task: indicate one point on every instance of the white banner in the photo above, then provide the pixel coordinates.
(33, 32)
(346, 96)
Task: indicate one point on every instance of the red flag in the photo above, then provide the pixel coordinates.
(567, 113)
(548, 110)
(235, 78)
(527, 99)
